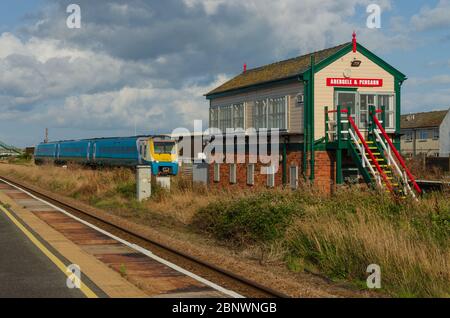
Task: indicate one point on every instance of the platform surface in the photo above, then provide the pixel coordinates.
(25, 272)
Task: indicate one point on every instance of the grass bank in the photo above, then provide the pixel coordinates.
(115, 190)
(342, 235)
(303, 231)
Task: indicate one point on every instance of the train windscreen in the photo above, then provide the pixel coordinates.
(164, 147)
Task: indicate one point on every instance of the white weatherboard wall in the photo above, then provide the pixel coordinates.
(444, 136)
(324, 95)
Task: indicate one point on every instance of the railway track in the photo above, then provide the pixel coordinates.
(206, 274)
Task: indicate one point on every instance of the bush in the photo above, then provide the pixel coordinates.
(258, 218)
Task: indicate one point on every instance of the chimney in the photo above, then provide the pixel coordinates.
(46, 136)
(245, 67)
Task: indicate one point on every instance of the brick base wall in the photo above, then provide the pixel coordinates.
(325, 171)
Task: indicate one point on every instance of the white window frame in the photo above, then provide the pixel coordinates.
(409, 135)
(293, 170)
(251, 174)
(436, 134)
(266, 108)
(234, 117)
(263, 117)
(217, 172)
(229, 121)
(233, 173)
(271, 177)
(388, 111)
(220, 110)
(357, 111)
(423, 131)
(211, 111)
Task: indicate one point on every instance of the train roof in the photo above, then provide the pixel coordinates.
(106, 138)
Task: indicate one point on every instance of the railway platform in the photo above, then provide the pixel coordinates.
(39, 241)
(25, 271)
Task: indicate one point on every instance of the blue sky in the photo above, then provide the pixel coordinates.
(147, 63)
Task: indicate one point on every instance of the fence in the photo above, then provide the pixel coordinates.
(442, 163)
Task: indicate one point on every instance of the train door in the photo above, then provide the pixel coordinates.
(94, 150)
(143, 150)
(88, 151)
(58, 150)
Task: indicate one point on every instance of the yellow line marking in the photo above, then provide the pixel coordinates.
(85, 289)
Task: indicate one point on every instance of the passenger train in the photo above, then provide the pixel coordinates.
(159, 152)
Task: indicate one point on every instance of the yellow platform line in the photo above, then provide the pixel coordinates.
(85, 289)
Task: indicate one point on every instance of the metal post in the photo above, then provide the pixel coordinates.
(339, 126)
(326, 125)
(143, 182)
(312, 125)
(339, 175)
(284, 163)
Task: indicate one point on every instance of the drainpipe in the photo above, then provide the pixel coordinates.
(305, 129)
(311, 116)
(284, 162)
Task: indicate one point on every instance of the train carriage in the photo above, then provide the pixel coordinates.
(159, 152)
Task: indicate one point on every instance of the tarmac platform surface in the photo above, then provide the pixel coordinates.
(25, 272)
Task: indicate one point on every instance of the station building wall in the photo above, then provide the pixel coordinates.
(325, 171)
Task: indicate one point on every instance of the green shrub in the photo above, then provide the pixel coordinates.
(127, 189)
(258, 218)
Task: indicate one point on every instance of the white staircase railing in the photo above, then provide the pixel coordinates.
(365, 160)
(406, 187)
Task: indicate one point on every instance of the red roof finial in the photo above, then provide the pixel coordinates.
(354, 42)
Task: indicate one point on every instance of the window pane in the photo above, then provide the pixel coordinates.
(214, 118)
(347, 100)
(238, 116)
(225, 118)
(388, 102)
(259, 114)
(277, 113)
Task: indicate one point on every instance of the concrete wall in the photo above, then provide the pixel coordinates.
(416, 146)
(324, 95)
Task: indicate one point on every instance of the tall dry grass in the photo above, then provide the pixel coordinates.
(337, 236)
(114, 189)
(341, 236)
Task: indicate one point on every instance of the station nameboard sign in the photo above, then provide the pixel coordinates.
(355, 82)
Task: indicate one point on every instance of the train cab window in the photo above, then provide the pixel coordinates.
(164, 147)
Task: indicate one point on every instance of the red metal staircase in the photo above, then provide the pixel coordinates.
(373, 151)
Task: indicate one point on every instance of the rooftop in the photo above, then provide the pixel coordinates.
(423, 120)
(276, 71)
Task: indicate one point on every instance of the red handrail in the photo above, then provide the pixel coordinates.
(360, 136)
(397, 154)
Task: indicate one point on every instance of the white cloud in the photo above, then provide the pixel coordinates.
(431, 18)
(443, 79)
(150, 108)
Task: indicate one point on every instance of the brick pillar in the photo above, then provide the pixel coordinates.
(325, 170)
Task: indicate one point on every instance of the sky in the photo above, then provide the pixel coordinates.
(145, 65)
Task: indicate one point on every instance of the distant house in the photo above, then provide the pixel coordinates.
(426, 134)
